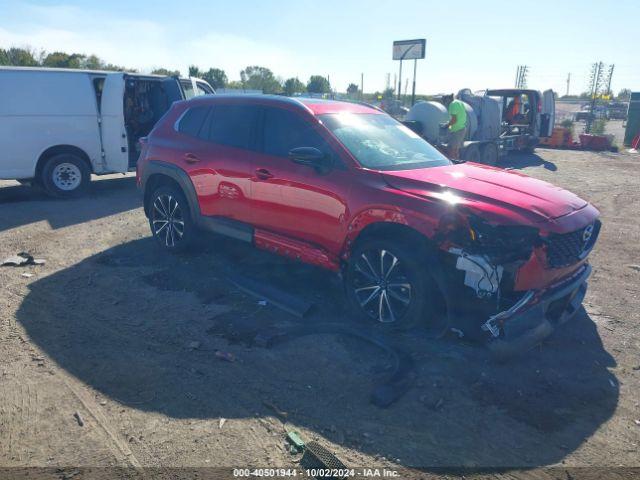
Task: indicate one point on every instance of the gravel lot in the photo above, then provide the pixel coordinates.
(125, 338)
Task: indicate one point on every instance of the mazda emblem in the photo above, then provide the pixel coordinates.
(586, 234)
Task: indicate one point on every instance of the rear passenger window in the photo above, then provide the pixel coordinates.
(232, 125)
(192, 121)
(284, 130)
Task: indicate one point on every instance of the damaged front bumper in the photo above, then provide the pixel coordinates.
(535, 316)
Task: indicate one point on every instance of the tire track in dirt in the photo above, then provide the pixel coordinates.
(92, 408)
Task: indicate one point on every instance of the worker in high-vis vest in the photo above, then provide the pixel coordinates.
(457, 126)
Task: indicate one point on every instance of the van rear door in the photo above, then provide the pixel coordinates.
(114, 133)
(547, 113)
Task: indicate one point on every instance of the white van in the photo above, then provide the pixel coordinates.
(58, 126)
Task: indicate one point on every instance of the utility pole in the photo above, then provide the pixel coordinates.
(595, 81)
(362, 86)
(413, 90)
(400, 80)
(521, 76)
(568, 82)
(609, 77)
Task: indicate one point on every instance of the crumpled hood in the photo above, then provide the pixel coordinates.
(479, 183)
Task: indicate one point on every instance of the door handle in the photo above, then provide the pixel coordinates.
(263, 174)
(191, 158)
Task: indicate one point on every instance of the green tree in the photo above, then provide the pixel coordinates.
(260, 78)
(216, 78)
(20, 57)
(63, 60)
(194, 71)
(164, 71)
(352, 90)
(388, 93)
(293, 85)
(92, 62)
(235, 85)
(4, 57)
(318, 84)
(624, 95)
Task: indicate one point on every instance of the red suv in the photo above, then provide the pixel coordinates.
(343, 186)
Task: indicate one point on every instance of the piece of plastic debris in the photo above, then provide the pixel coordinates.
(221, 422)
(262, 303)
(27, 275)
(612, 383)
(226, 356)
(78, 418)
(22, 259)
(194, 345)
(637, 422)
(296, 442)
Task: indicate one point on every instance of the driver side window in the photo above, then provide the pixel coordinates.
(284, 130)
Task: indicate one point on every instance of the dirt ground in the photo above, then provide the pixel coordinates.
(138, 345)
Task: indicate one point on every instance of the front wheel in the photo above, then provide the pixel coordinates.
(387, 284)
(169, 219)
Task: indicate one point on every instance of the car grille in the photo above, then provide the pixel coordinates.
(567, 248)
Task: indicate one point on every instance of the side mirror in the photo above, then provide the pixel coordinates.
(311, 157)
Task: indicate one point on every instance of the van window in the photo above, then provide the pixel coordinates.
(232, 125)
(192, 121)
(98, 85)
(284, 130)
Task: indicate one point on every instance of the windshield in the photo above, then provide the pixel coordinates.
(379, 142)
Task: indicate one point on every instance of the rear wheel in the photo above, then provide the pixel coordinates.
(387, 284)
(65, 175)
(472, 153)
(490, 154)
(169, 219)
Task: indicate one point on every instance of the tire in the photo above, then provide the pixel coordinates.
(489, 154)
(169, 219)
(400, 307)
(472, 154)
(65, 176)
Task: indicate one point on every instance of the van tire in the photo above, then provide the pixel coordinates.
(65, 176)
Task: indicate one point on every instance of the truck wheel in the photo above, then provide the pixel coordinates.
(65, 175)
(387, 284)
(490, 154)
(169, 219)
(472, 154)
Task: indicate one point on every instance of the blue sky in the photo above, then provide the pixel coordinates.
(475, 44)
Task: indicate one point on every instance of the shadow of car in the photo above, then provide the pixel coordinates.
(143, 329)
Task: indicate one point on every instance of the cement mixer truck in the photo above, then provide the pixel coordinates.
(498, 121)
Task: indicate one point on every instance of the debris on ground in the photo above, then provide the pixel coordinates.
(221, 422)
(79, 418)
(27, 275)
(226, 356)
(276, 410)
(22, 259)
(317, 457)
(634, 267)
(295, 441)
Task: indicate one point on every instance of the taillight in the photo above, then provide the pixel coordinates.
(539, 107)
